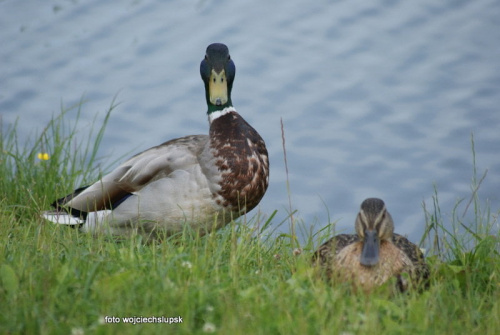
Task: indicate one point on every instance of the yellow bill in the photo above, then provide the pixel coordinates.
(218, 88)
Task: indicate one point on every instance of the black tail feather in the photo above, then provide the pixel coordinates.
(59, 203)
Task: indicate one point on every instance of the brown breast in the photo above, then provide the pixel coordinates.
(242, 160)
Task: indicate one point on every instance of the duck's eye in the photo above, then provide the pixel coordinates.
(228, 57)
(214, 80)
(221, 80)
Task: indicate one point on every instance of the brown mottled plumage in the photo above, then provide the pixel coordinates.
(199, 181)
(373, 255)
(243, 165)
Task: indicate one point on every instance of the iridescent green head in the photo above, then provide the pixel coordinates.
(217, 71)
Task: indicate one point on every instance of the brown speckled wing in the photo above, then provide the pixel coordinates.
(327, 251)
(421, 271)
(138, 171)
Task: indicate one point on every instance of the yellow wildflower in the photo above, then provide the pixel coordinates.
(43, 156)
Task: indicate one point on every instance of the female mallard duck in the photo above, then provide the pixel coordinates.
(200, 181)
(374, 254)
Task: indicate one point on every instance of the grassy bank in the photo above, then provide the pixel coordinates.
(240, 280)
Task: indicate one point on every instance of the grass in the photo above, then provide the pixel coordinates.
(239, 280)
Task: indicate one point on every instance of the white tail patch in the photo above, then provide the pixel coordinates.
(91, 224)
(62, 218)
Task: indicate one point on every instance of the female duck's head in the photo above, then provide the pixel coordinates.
(373, 225)
(217, 71)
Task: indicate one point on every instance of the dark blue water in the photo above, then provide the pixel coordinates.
(377, 98)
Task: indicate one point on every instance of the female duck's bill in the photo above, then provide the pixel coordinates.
(371, 246)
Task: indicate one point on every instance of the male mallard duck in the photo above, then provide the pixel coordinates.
(374, 254)
(198, 180)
